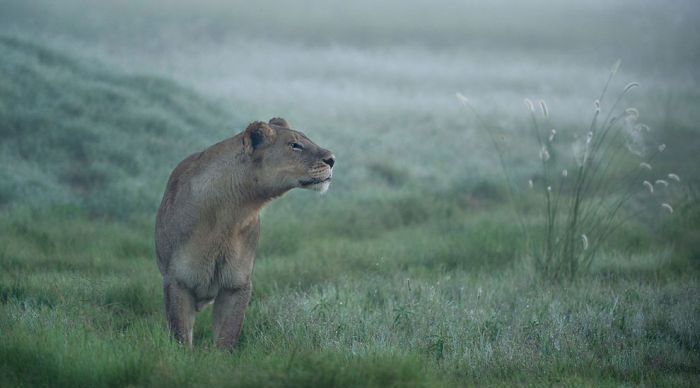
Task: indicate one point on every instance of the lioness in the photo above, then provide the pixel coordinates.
(208, 222)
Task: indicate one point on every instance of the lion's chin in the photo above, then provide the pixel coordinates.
(320, 186)
(316, 184)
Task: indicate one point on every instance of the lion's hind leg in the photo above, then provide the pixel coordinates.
(229, 309)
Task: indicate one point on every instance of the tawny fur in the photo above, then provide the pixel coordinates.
(208, 224)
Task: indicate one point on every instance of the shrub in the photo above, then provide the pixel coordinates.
(581, 200)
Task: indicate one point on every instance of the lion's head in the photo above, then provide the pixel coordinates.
(285, 158)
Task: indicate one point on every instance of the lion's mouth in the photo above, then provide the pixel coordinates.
(314, 181)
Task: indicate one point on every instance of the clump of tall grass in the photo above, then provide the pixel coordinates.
(582, 198)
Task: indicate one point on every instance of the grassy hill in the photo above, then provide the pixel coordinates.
(76, 133)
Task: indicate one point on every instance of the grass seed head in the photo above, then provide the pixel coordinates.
(632, 112)
(564, 173)
(630, 86)
(649, 186)
(667, 207)
(584, 240)
(645, 166)
(543, 106)
(674, 177)
(529, 105)
(616, 67)
(662, 147)
(661, 182)
(464, 100)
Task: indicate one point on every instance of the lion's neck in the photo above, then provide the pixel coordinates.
(232, 191)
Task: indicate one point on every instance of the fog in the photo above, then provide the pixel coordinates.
(378, 81)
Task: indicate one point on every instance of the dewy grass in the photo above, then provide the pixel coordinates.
(581, 210)
(386, 321)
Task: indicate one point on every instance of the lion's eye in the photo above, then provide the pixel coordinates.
(296, 146)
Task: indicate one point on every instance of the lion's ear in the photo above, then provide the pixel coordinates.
(256, 135)
(280, 122)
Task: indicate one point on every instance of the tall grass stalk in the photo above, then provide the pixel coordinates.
(580, 209)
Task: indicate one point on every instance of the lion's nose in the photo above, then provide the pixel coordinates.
(330, 161)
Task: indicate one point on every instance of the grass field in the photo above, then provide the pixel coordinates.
(412, 270)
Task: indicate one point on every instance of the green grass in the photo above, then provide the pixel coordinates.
(400, 308)
(398, 282)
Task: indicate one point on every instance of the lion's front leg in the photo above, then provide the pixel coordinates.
(229, 310)
(180, 310)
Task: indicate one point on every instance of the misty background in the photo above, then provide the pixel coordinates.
(375, 82)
